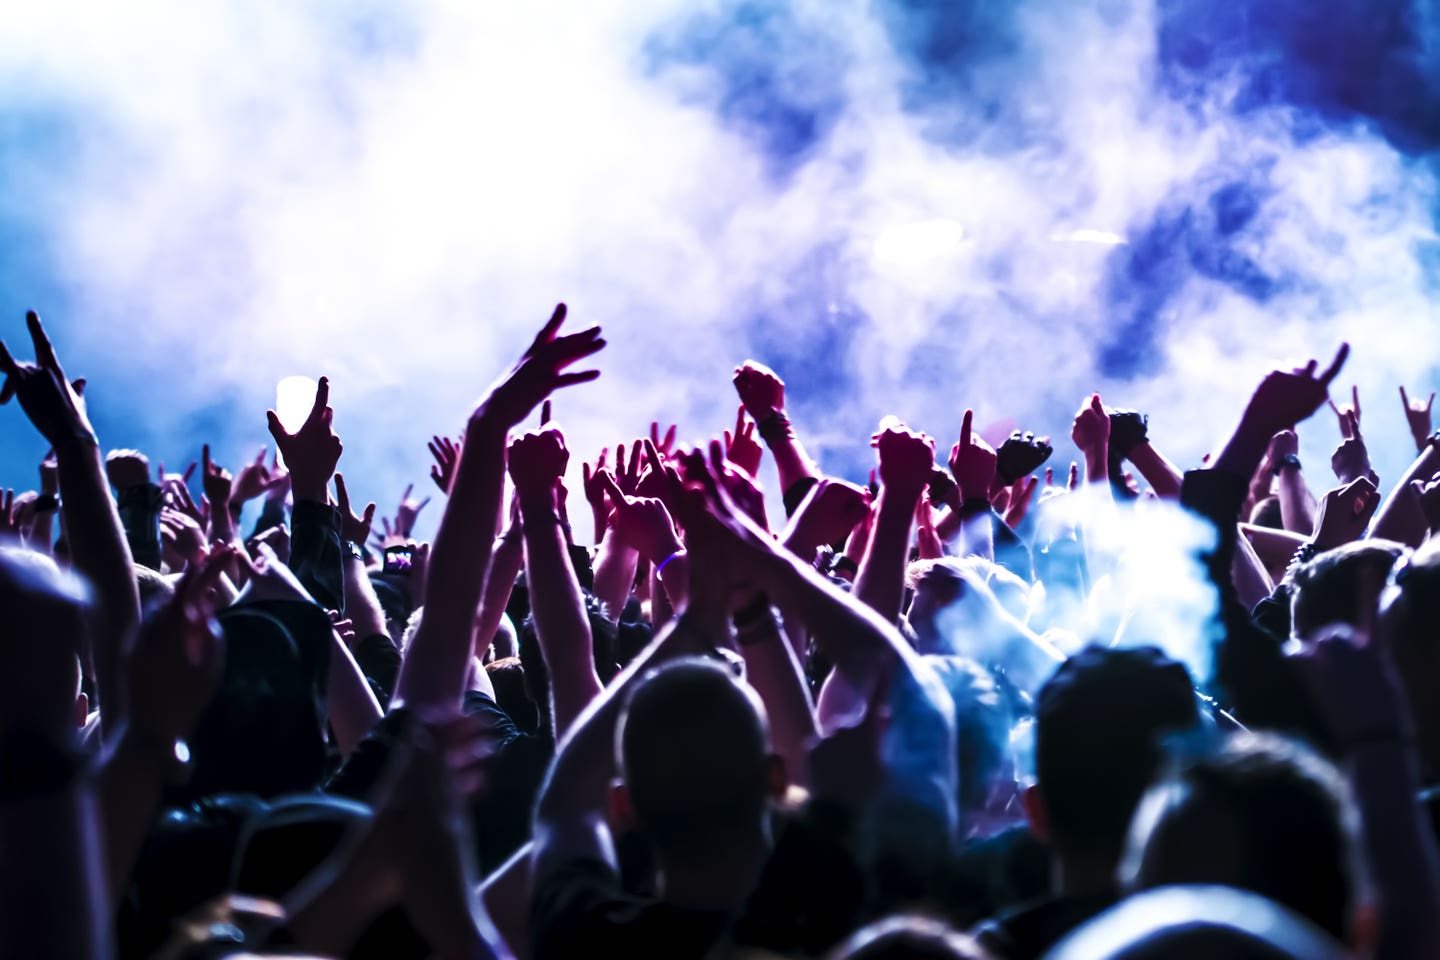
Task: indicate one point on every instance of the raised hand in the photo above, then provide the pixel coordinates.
(642, 523)
(1344, 513)
(1019, 455)
(906, 457)
(1428, 493)
(537, 461)
(49, 475)
(944, 491)
(761, 391)
(594, 490)
(1283, 399)
(1349, 417)
(354, 528)
(741, 447)
(973, 463)
(627, 472)
(1417, 417)
(739, 485)
(311, 452)
(661, 480)
(51, 402)
(1020, 496)
(255, 478)
(1091, 429)
(177, 497)
(541, 370)
(1283, 444)
(9, 523)
(182, 538)
(446, 453)
(1128, 429)
(407, 512)
(216, 482)
(1351, 459)
(127, 468)
(664, 444)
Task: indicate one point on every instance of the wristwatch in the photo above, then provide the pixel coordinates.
(1289, 460)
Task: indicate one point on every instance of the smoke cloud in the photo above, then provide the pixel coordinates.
(905, 207)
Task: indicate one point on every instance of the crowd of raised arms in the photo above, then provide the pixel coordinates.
(889, 724)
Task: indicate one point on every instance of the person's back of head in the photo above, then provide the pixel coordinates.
(694, 759)
(46, 611)
(1408, 627)
(1341, 585)
(1197, 923)
(1098, 723)
(1264, 814)
(908, 938)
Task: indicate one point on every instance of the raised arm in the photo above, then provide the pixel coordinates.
(311, 453)
(537, 462)
(906, 459)
(92, 524)
(763, 395)
(435, 666)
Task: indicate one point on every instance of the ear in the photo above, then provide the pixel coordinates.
(777, 778)
(82, 709)
(1035, 813)
(622, 811)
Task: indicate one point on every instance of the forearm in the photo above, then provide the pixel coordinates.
(1297, 510)
(42, 533)
(977, 534)
(433, 673)
(1400, 848)
(1162, 475)
(561, 623)
(130, 785)
(99, 551)
(615, 566)
(880, 583)
(791, 461)
(506, 561)
(772, 669)
(927, 541)
(316, 553)
(351, 703)
(332, 907)
(362, 606)
(1097, 469)
(1401, 517)
(1252, 581)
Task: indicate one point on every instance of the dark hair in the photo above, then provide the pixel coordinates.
(1327, 589)
(908, 938)
(1264, 814)
(507, 676)
(1099, 720)
(694, 755)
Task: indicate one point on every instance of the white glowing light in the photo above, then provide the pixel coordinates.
(920, 243)
(294, 398)
(1102, 238)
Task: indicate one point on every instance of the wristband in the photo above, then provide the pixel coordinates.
(663, 563)
(843, 562)
(1289, 460)
(46, 502)
(354, 551)
(1303, 554)
(776, 426)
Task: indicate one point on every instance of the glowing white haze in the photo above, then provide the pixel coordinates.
(247, 197)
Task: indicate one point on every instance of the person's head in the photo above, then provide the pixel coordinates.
(1263, 814)
(507, 676)
(1098, 725)
(1197, 923)
(695, 764)
(47, 613)
(908, 938)
(1342, 585)
(1409, 628)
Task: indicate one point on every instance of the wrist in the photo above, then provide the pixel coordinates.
(537, 499)
(310, 490)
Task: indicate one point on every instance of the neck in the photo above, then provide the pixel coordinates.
(719, 879)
